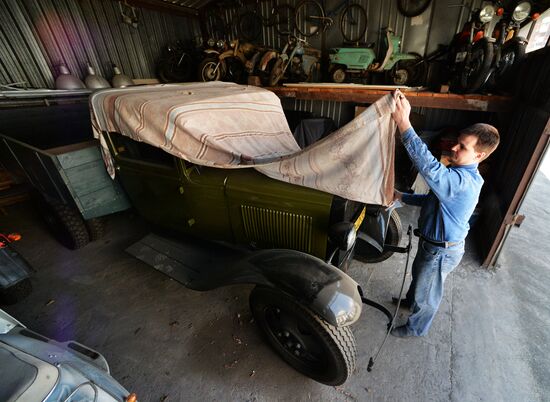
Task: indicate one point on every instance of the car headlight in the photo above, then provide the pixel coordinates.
(521, 11)
(487, 13)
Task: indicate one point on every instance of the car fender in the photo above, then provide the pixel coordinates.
(321, 287)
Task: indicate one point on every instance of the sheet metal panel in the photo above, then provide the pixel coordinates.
(36, 36)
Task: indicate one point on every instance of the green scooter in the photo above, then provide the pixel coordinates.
(400, 68)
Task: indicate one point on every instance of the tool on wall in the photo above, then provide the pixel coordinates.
(128, 13)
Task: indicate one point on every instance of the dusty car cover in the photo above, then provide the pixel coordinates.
(227, 125)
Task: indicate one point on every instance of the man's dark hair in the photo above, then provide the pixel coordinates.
(487, 137)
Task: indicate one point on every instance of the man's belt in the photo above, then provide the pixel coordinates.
(444, 244)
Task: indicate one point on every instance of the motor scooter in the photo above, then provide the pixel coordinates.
(360, 62)
(15, 284)
(297, 61)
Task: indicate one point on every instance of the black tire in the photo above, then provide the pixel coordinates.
(249, 26)
(206, 70)
(16, 293)
(305, 341)
(338, 75)
(309, 18)
(477, 67)
(276, 73)
(353, 23)
(96, 228)
(176, 68)
(283, 19)
(409, 72)
(364, 252)
(412, 8)
(511, 54)
(66, 224)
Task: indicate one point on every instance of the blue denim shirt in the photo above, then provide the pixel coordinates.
(454, 193)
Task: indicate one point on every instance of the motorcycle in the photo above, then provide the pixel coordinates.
(234, 64)
(471, 51)
(299, 60)
(400, 68)
(509, 46)
(177, 63)
(15, 284)
(208, 68)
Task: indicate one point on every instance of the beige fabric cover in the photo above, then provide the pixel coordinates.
(227, 125)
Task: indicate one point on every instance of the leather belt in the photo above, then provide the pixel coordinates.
(444, 244)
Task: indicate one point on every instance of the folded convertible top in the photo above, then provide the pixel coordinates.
(227, 125)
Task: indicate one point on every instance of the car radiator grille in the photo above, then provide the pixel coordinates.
(277, 229)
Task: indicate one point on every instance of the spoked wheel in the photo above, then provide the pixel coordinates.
(409, 72)
(209, 70)
(512, 53)
(304, 340)
(250, 26)
(176, 68)
(353, 23)
(477, 66)
(283, 19)
(309, 18)
(412, 8)
(339, 75)
(276, 73)
(364, 252)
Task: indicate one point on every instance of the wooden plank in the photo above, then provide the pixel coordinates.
(87, 178)
(76, 157)
(419, 99)
(71, 147)
(103, 202)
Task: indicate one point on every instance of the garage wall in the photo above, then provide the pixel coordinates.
(36, 36)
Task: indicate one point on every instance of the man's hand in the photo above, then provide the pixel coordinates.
(402, 111)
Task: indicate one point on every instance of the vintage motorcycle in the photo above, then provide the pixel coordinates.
(400, 68)
(471, 51)
(234, 64)
(208, 69)
(297, 62)
(509, 46)
(177, 63)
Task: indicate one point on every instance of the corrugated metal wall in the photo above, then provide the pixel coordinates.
(36, 36)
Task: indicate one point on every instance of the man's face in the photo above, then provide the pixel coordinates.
(464, 152)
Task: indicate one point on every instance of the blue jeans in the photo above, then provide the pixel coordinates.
(430, 268)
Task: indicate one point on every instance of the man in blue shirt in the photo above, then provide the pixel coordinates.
(445, 211)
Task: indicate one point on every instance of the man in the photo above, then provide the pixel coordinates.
(443, 222)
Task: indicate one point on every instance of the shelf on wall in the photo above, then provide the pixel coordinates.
(369, 94)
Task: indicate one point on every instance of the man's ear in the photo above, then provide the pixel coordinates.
(481, 155)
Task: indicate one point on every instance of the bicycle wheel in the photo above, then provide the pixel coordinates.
(283, 17)
(412, 8)
(250, 26)
(309, 17)
(353, 23)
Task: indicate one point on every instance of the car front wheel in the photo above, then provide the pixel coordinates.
(304, 340)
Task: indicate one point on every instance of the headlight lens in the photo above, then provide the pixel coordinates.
(211, 42)
(487, 13)
(220, 43)
(521, 11)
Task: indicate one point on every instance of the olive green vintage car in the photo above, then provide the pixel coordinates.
(303, 303)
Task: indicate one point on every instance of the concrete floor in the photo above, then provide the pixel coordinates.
(489, 342)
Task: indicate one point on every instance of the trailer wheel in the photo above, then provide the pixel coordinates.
(96, 228)
(304, 340)
(17, 292)
(66, 223)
